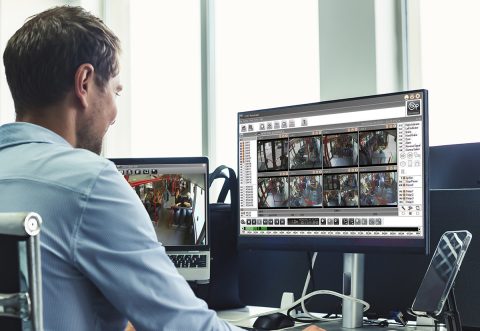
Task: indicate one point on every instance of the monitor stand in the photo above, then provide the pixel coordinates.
(353, 275)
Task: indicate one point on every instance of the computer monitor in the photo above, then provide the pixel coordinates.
(344, 175)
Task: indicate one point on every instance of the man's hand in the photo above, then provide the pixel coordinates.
(313, 328)
(131, 328)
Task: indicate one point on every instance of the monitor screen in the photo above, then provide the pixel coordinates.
(345, 175)
(174, 194)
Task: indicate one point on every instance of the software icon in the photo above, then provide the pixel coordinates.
(413, 107)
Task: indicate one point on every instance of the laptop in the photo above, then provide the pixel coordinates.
(174, 192)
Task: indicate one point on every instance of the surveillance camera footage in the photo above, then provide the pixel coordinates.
(305, 191)
(378, 189)
(305, 152)
(340, 190)
(340, 150)
(272, 155)
(273, 192)
(378, 147)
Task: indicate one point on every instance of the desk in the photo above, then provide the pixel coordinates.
(236, 314)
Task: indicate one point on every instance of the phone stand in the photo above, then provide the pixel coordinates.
(436, 296)
(451, 314)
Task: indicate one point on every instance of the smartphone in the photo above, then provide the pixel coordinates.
(441, 273)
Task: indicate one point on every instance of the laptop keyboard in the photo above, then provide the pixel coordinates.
(189, 260)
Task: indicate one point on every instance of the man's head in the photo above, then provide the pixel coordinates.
(60, 52)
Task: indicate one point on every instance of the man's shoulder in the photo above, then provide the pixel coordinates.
(75, 168)
(79, 160)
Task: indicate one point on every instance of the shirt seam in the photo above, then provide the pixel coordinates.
(40, 180)
(73, 244)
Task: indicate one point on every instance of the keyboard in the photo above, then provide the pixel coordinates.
(188, 260)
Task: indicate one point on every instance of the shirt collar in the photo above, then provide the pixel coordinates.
(23, 133)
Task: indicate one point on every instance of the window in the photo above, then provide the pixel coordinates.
(160, 107)
(266, 55)
(447, 58)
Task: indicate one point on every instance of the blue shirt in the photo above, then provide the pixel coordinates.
(101, 261)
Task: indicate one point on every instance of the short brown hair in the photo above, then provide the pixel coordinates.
(41, 58)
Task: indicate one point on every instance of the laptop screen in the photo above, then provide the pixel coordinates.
(174, 192)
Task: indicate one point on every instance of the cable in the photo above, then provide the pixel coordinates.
(305, 288)
(380, 323)
(386, 323)
(309, 281)
(302, 299)
(309, 320)
(310, 268)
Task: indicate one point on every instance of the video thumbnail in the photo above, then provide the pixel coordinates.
(378, 147)
(272, 192)
(340, 150)
(378, 189)
(305, 191)
(272, 155)
(305, 152)
(340, 190)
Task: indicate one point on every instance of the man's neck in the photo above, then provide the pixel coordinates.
(59, 119)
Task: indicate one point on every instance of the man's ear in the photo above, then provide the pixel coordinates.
(84, 78)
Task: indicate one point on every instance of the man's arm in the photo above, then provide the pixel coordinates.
(117, 249)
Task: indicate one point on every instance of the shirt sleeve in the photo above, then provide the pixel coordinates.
(116, 248)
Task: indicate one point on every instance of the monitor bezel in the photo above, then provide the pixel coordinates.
(346, 245)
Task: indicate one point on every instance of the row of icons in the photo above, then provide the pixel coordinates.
(277, 125)
(410, 210)
(410, 163)
(413, 108)
(412, 96)
(139, 172)
(314, 221)
(410, 155)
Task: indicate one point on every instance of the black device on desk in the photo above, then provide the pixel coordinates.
(273, 322)
(343, 175)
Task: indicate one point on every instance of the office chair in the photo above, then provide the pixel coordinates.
(20, 279)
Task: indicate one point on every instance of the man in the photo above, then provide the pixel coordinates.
(184, 201)
(101, 261)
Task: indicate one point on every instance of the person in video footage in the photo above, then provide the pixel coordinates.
(272, 192)
(305, 191)
(182, 210)
(149, 203)
(378, 147)
(340, 191)
(378, 189)
(340, 150)
(185, 201)
(305, 152)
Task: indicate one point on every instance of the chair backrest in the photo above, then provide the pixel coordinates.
(20, 279)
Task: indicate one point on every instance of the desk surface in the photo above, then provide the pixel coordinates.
(241, 313)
